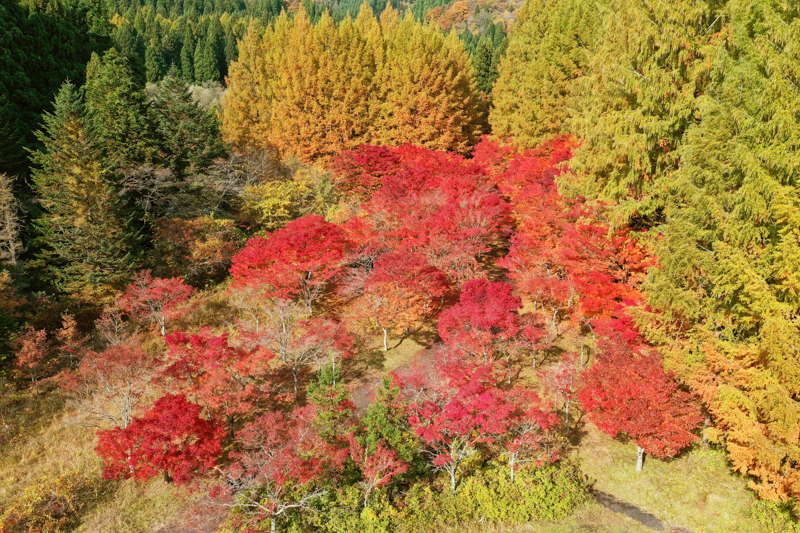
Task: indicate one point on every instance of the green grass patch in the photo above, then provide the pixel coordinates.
(696, 490)
(590, 518)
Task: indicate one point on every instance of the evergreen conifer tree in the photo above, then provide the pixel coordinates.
(117, 112)
(728, 289)
(485, 68)
(548, 54)
(153, 63)
(86, 244)
(189, 136)
(187, 55)
(205, 62)
(639, 98)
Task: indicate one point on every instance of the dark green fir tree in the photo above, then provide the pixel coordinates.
(190, 137)
(86, 244)
(117, 112)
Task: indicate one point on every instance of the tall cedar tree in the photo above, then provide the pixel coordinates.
(428, 94)
(728, 286)
(117, 113)
(639, 98)
(548, 54)
(43, 43)
(320, 89)
(88, 247)
(189, 137)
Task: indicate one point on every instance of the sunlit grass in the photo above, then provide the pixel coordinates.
(696, 490)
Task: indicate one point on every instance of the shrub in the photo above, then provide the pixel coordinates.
(52, 504)
(488, 496)
(775, 517)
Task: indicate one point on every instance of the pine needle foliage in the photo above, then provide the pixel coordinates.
(728, 288)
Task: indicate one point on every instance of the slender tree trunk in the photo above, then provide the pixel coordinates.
(163, 328)
(385, 340)
(511, 464)
(273, 525)
(639, 458)
(294, 375)
(453, 480)
(566, 417)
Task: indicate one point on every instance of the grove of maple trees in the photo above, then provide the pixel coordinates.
(335, 301)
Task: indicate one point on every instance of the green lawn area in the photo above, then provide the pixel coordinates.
(696, 490)
(591, 518)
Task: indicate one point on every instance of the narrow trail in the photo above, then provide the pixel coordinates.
(631, 511)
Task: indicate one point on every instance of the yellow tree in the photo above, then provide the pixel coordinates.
(539, 76)
(316, 90)
(301, 88)
(428, 88)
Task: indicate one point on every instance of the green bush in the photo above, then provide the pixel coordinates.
(776, 517)
(548, 493)
(488, 496)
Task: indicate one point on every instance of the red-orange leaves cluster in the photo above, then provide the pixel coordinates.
(278, 452)
(109, 385)
(39, 357)
(360, 172)
(401, 292)
(484, 319)
(377, 468)
(436, 204)
(155, 298)
(453, 407)
(627, 391)
(296, 261)
(566, 261)
(228, 380)
(171, 439)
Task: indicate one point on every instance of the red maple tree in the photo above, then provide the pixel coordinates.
(154, 298)
(377, 468)
(109, 385)
(296, 261)
(454, 406)
(229, 380)
(171, 438)
(280, 457)
(401, 293)
(627, 391)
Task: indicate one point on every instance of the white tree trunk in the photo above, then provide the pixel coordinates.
(639, 458)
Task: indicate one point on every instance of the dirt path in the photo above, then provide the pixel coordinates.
(643, 517)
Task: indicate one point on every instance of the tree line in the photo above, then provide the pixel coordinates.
(687, 115)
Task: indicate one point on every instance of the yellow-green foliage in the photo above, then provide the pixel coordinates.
(548, 55)
(548, 493)
(270, 204)
(487, 497)
(53, 503)
(775, 517)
